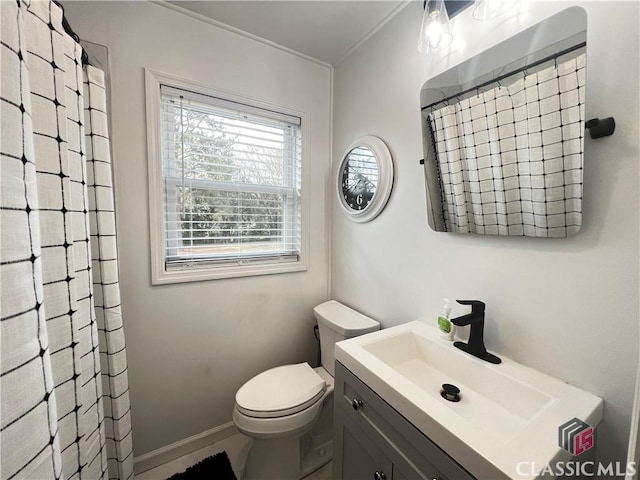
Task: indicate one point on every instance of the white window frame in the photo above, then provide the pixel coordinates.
(160, 274)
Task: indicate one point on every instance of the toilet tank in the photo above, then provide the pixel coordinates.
(338, 322)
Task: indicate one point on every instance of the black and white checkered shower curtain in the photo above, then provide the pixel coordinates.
(510, 158)
(63, 386)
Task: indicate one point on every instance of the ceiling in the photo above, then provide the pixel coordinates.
(322, 29)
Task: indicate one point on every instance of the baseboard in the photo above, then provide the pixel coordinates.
(183, 447)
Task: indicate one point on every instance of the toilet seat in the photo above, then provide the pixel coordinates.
(280, 392)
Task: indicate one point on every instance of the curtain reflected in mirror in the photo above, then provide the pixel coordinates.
(504, 150)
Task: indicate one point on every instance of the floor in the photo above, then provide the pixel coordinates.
(237, 448)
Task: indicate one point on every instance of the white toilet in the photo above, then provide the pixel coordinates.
(288, 410)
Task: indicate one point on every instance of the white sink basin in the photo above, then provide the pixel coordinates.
(497, 403)
(507, 413)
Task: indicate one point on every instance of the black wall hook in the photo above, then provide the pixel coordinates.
(601, 127)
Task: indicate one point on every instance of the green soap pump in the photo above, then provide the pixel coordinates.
(446, 328)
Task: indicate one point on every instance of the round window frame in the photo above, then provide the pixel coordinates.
(385, 180)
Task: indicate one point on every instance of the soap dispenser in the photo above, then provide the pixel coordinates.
(445, 327)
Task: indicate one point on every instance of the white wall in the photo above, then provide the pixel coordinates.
(190, 346)
(568, 307)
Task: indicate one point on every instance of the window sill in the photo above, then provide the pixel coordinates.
(189, 273)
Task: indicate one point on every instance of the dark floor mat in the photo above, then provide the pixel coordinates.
(215, 467)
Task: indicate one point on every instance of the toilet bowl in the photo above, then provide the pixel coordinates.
(288, 410)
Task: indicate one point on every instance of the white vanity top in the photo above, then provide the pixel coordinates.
(508, 413)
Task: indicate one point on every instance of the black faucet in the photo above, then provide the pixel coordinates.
(475, 346)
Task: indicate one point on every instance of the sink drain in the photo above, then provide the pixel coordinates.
(450, 392)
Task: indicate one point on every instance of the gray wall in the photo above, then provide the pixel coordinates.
(567, 307)
(192, 345)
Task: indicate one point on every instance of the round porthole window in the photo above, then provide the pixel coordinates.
(365, 179)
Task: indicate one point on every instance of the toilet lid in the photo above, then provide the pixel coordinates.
(280, 391)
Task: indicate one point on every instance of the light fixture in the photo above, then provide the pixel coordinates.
(487, 9)
(435, 32)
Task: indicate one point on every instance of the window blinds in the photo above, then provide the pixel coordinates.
(232, 179)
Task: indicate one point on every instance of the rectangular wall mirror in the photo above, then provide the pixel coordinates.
(503, 135)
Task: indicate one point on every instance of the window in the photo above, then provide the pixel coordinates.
(230, 187)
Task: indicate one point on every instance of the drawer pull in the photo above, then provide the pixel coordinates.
(379, 476)
(356, 403)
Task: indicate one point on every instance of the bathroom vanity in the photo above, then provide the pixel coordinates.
(392, 420)
(373, 441)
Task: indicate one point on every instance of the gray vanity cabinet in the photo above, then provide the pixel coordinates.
(372, 441)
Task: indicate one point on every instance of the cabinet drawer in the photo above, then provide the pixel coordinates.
(408, 449)
(359, 457)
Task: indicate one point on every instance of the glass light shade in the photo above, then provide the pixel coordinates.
(487, 9)
(435, 32)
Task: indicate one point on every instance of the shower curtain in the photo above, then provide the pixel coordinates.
(510, 158)
(63, 386)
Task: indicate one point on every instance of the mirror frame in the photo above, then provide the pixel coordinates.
(385, 180)
(551, 37)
